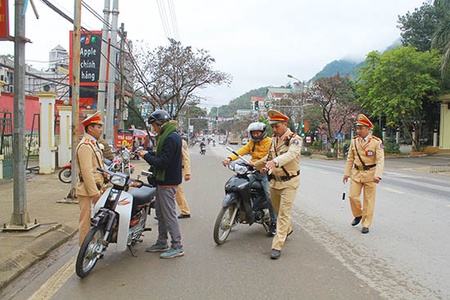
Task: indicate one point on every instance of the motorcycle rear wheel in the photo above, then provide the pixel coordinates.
(65, 175)
(90, 251)
(224, 223)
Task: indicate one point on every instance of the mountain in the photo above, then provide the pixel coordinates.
(343, 67)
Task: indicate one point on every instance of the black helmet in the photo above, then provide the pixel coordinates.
(257, 126)
(159, 117)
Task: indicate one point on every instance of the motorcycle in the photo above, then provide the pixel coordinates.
(65, 174)
(119, 217)
(120, 163)
(244, 201)
(202, 149)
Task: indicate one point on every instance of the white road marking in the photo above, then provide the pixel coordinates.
(54, 283)
(393, 190)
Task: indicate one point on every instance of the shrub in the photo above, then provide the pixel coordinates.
(391, 147)
(330, 154)
(306, 153)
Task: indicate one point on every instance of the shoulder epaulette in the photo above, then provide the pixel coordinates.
(377, 138)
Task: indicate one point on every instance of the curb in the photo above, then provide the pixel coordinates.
(34, 251)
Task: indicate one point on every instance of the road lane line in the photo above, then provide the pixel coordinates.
(393, 190)
(54, 283)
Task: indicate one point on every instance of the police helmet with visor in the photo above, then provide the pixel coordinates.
(257, 126)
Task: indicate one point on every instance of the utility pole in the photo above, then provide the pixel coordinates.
(103, 61)
(110, 107)
(19, 219)
(75, 92)
(123, 35)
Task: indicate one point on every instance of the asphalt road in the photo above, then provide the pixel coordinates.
(403, 257)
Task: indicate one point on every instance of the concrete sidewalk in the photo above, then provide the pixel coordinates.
(58, 222)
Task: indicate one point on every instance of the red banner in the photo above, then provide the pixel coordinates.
(4, 21)
(124, 138)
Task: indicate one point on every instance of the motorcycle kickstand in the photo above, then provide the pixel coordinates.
(133, 251)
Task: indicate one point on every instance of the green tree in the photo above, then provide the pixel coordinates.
(396, 85)
(170, 75)
(441, 40)
(419, 26)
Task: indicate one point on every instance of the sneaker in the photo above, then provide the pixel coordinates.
(157, 248)
(172, 252)
(275, 254)
(272, 229)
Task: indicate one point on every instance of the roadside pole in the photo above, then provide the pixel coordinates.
(75, 93)
(20, 220)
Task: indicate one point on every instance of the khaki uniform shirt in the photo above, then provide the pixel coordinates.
(285, 151)
(89, 157)
(371, 152)
(185, 159)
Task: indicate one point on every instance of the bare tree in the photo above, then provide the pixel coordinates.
(336, 97)
(170, 75)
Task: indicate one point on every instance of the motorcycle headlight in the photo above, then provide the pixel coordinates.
(119, 179)
(240, 169)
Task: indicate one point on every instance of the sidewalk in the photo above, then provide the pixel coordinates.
(58, 222)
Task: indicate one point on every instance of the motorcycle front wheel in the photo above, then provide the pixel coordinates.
(224, 223)
(65, 175)
(90, 251)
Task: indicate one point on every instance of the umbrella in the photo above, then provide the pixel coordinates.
(139, 133)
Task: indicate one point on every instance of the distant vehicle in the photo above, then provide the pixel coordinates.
(234, 139)
(244, 141)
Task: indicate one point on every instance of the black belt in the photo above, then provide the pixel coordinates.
(364, 168)
(283, 178)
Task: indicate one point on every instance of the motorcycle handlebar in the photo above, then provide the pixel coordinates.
(238, 155)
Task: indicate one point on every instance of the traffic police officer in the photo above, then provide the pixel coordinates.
(365, 162)
(186, 174)
(283, 166)
(90, 183)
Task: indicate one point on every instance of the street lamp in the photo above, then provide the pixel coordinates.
(301, 103)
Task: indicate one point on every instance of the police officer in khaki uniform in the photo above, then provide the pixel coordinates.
(186, 174)
(364, 166)
(283, 166)
(90, 182)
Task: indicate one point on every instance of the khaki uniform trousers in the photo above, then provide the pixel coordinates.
(85, 217)
(368, 205)
(181, 201)
(282, 200)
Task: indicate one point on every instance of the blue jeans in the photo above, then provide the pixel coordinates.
(266, 188)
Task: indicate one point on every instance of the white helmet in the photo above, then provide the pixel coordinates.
(257, 126)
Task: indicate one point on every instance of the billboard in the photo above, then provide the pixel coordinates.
(4, 21)
(90, 54)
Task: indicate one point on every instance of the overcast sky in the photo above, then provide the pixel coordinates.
(258, 42)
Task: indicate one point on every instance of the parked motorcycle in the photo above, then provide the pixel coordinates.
(244, 201)
(65, 174)
(119, 217)
(120, 163)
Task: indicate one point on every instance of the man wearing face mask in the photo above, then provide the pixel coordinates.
(258, 147)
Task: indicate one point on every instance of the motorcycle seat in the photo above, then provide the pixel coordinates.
(142, 195)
